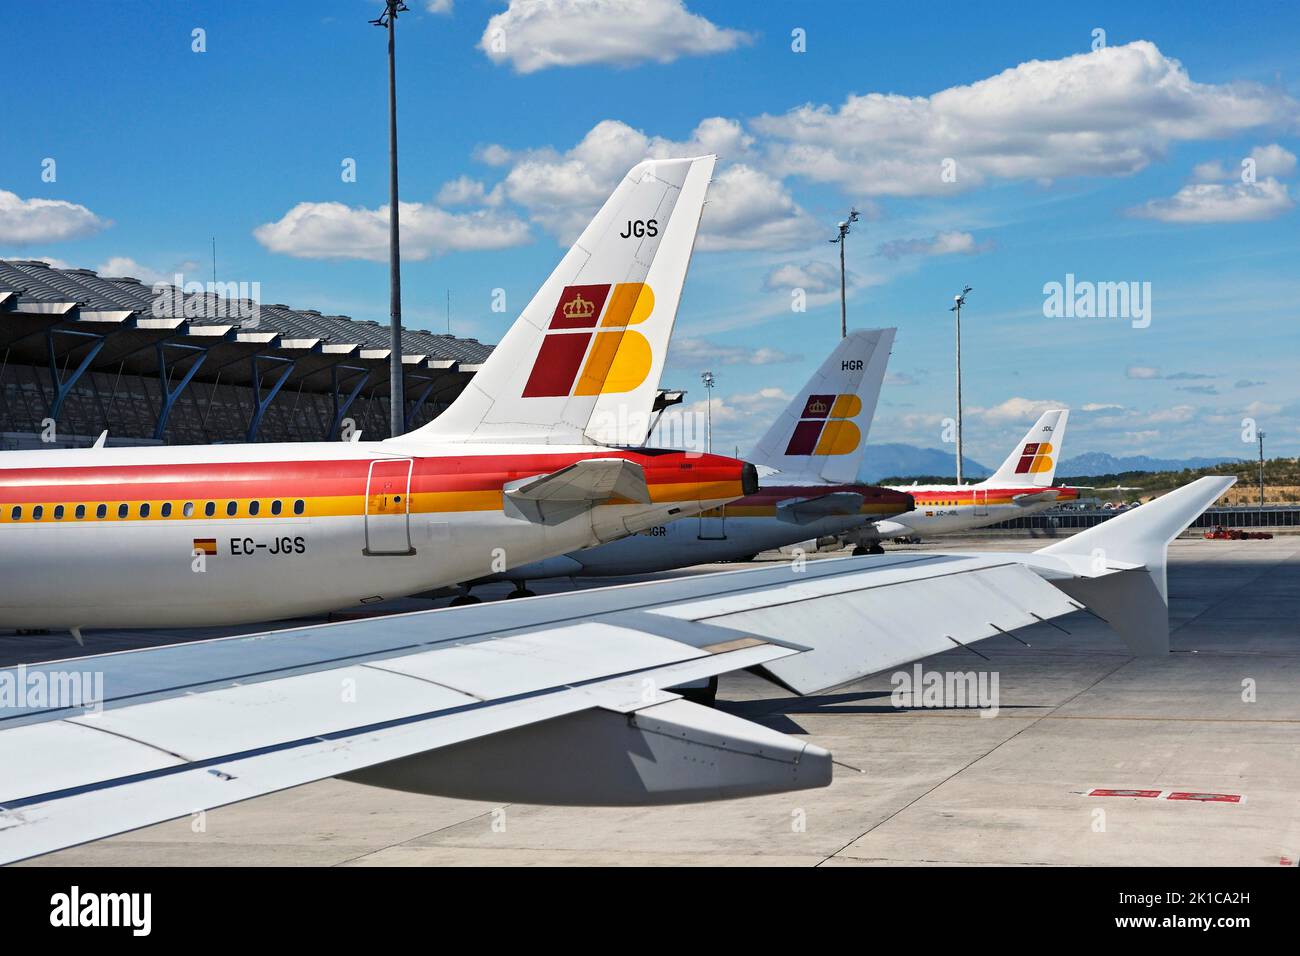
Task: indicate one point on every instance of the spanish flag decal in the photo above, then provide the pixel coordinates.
(206, 545)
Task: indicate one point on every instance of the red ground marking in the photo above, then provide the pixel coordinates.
(1206, 797)
(1097, 792)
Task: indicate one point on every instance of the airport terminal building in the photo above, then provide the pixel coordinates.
(82, 353)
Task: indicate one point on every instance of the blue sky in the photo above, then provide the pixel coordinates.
(1116, 164)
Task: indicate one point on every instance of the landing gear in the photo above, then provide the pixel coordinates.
(520, 592)
(464, 599)
(873, 548)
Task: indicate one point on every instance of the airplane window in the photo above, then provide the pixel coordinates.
(144, 509)
(253, 508)
(232, 507)
(101, 512)
(58, 512)
(17, 513)
(38, 512)
(210, 508)
(188, 510)
(276, 507)
(167, 509)
(80, 512)
(123, 510)
(299, 506)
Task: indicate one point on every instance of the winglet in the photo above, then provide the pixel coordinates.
(1118, 566)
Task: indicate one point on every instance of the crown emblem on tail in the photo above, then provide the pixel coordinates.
(817, 407)
(578, 308)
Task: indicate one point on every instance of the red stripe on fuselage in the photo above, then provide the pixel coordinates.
(313, 479)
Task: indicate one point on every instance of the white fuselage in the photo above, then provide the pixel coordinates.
(768, 519)
(943, 509)
(208, 535)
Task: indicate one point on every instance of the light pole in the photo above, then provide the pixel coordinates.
(844, 231)
(1261, 474)
(396, 392)
(958, 302)
(707, 379)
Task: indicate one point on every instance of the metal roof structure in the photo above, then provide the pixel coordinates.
(73, 330)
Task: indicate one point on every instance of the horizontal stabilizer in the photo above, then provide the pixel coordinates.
(808, 510)
(574, 488)
(1035, 498)
(670, 752)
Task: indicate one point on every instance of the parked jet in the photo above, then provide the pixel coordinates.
(534, 459)
(550, 700)
(808, 463)
(1021, 486)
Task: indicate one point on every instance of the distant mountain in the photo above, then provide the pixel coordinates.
(1101, 463)
(899, 460)
(902, 460)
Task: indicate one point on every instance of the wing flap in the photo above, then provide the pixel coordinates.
(866, 621)
(669, 752)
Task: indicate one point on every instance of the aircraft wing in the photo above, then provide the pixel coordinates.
(560, 699)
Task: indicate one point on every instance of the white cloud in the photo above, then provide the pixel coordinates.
(700, 353)
(942, 244)
(332, 230)
(1220, 202)
(1142, 372)
(532, 35)
(126, 266)
(1109, 112)
(1273, 160)
(1101, 407)
(440, 7)
(810, 276)
(467, 191)
(747, 208)
(493, 154)
(1015, 410)
(45, 220)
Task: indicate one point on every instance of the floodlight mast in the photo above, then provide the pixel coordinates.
(708, 380)
(396, 389)
(958, 301)
(844, 231)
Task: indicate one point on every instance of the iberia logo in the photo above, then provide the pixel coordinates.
(1036, 457)
(589, 348)
(824, 427)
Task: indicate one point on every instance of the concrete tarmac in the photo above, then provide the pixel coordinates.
(917, 784)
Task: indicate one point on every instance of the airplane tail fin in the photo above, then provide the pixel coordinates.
(582, 362)
(1033, 460)
(1118, 567)
(822, 433)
